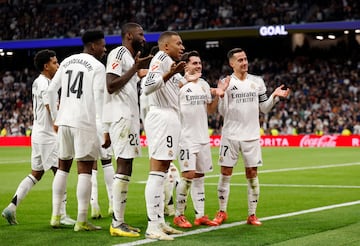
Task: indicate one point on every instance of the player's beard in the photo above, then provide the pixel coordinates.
(138, 46)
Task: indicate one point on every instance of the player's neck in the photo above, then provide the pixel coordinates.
(240, 76)
(46, 75)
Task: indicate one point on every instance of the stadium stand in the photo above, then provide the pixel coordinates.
(60, 18)
(325, 91)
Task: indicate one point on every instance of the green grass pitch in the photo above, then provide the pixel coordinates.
(293, 181)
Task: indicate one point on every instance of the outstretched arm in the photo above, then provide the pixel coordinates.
(266, 103)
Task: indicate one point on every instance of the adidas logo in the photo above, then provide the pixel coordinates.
(234, 88)
(189, 90)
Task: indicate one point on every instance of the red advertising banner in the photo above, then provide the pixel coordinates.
(313, 141)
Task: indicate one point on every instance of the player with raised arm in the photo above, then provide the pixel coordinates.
(243, 99)
(162, 126)
(195, 156)
(121, 113)
(44, 151)
(78, 77)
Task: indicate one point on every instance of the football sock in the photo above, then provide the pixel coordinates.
(198, 196)
(120, 189)
(168, 189)
(154, 191)
(108, 178)
(83, 193)
(63, 204)
(253, 194)
(94, 190)
(58, 191)
(223, 191)
(23, 189)
(182, 191)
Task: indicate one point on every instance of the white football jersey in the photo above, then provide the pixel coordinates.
(240, 108)
(77, 76)
(162, 94)
(42, 131)
(122, 103)
(194, 98)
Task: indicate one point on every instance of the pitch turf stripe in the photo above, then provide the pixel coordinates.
(224, 226)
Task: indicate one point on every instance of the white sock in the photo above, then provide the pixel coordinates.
(223, 191)
(63, 205)
(94, 190)
(109, 178)
(198, 196)
(83, 193)
(253, 194)
(154, 191)
(168, 189)
(182, 191)
(58, 190)
(22, 190)
(120, 189)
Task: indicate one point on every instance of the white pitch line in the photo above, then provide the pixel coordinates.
(223, 226)
(283, 170)
(298, 185)
(14, 161)
(294, 169)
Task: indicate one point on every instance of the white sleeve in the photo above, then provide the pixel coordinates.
(51, 96)
(223, 105)
(268, 104)
(154, 81)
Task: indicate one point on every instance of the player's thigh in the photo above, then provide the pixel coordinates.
(86, 144)
(251, 153)
(163, 131)
(187, 157)
(228, 152)
(204, 159)
(66, 143)
(125, 138)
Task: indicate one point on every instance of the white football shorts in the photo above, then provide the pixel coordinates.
(162, 127)
(79, 144)
(125, 138)
(230, 150)
(44, 156)
(195, 157)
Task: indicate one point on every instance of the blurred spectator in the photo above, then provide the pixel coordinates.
(325, 96)
(60, 18)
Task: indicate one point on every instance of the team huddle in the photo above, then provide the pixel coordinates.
(97, 117)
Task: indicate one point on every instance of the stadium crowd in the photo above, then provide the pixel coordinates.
(325, 93)
(325, 96)
(60, 18)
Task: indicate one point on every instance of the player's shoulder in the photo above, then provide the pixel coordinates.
(162, 56)
(41, 80)
(255, 78)
(119, 52)
(202, 82)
